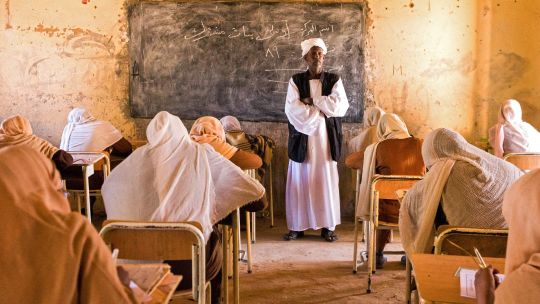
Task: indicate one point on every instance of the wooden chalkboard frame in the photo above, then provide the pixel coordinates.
(150, 91)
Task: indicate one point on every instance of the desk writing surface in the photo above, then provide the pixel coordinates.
(435, 276)
(80, 159)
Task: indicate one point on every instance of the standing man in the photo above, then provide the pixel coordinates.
(315, 103)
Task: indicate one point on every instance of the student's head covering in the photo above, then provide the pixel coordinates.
(230, 123)
(85, 133)
(46, 245)
(173, 178)
(469, 181)
(390, 127)
(30, 179)
(208, 130)
(309, 43)
(372, 115)
(521, 209)
(511, 133)
(16, 130)
(368, 136)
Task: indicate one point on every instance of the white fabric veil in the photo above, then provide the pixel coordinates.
(470, 181)
(173, 178)
(85, 133)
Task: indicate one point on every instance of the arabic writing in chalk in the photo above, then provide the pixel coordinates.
(259, 32)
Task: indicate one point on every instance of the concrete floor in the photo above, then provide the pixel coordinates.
(311, 270)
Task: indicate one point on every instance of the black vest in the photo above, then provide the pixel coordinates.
(297, 146)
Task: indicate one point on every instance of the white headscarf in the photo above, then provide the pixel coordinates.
(521, 209)
(368, 136)
(230, 123)
(470, 182)
(173, 178)
(309, 43)
(84, 133)
(390, 127)
(511, 133)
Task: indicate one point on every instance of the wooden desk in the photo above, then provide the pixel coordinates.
(86, 161)
(435, 276)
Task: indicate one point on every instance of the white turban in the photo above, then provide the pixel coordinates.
(309, 43)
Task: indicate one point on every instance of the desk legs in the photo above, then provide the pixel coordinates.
(87, 193)
(225, 267)
(271, 196)
(236, 255)
(248, 240)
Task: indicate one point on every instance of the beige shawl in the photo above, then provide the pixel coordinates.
(208, 130)
(511, 133)
(85, 133)
(521, 209)
(390, 127)
(468, 182)
(49, 254)
(368, 135)
(173, 178)
(16, 130)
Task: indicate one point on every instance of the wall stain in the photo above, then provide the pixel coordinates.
(88, 44)
(507, 69)
(464, 65)
(40, 28)
(8, 17)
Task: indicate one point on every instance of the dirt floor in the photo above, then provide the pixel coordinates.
(311, 270)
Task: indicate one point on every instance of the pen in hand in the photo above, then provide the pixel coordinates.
(480, 261)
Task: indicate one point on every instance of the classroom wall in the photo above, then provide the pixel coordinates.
(436, 63)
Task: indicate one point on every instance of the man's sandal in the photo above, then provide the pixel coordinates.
(293, 235)
(328, 235)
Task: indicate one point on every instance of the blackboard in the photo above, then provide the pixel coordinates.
(236, 58)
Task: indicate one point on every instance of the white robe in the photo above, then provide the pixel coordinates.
(312, 192)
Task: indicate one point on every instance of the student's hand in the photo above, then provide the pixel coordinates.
(485, 283)
(307, 101)
(123, 275)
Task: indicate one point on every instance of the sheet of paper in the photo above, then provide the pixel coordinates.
(466, 282)
(146, 276)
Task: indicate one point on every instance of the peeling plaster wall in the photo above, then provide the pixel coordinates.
(436, 63)
(60, 54)
(513, 67)
(421, 62)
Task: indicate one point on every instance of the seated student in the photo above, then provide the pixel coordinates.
(521, 209)
(179, 180)
(464, 186)
(259, 144)
(368, 135)
(49, 254)
(17, 131)
(208, 130)
(234, 134)
(85, 133)
(511, 133)
(396, 153)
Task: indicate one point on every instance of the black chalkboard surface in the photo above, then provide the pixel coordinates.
(219, 58)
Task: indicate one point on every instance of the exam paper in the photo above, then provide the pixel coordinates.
(466, 282)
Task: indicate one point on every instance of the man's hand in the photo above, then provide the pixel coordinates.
(485, 283)
(307, 101)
